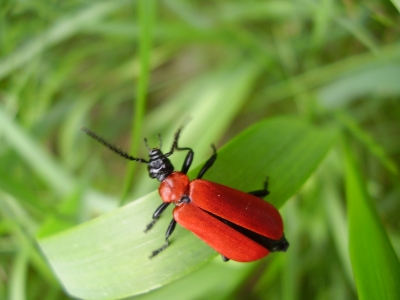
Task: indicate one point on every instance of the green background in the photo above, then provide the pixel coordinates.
(304, 92)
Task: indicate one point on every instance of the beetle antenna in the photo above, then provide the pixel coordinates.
(160, 141)
(147, 144)
(111, 146)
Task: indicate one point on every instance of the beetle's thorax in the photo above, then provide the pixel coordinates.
(174, 187)
(159, 165)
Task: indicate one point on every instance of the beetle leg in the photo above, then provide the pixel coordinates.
(189, 157)
(224, 258)
(261, 193)
(156, 215)
(170, 230)
(208, 163)
(174, 143)
(188, 160)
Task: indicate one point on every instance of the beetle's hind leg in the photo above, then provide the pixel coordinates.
(224, 258)
(261, 193)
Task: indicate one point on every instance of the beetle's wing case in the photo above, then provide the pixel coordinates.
(223, 238)
(240, 208)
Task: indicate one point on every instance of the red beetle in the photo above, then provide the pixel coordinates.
(240, 226)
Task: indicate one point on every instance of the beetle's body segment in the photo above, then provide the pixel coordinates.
(174, 187)
(241, 208)
(240, 226)
(205, 201)
(222, 238)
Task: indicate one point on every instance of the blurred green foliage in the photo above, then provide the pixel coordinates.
(131, 69)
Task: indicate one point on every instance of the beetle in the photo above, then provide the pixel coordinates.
(240, 226)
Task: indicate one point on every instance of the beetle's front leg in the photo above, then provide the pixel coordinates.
(156, 215)
(170, 230)
(189, 157)
(208, 163)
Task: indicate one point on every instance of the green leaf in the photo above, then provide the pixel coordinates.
(376, 267)
(107, 258)
(65, 217)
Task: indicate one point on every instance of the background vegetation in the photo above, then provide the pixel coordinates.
(131, 69)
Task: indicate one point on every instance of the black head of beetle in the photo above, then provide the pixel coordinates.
(159, 166)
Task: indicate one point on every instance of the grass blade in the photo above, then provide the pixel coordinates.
(375, 265)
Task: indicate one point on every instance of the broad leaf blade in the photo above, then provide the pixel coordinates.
(107, 258)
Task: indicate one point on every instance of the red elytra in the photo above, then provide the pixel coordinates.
(210, 199)
(238, 225)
